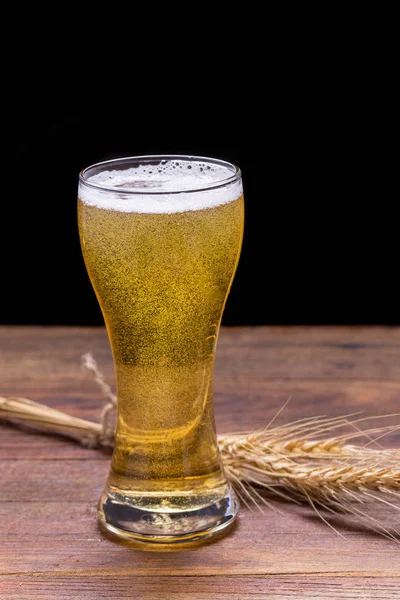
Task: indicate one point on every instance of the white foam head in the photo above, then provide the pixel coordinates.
(161, 186)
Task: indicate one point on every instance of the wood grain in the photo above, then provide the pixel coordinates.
(50, 544)
(199, 588)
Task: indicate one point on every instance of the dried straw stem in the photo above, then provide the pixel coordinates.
(43, 416)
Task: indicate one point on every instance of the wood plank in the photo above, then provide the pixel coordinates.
(126, 587)
(39, 481)
(245, 352)
(63, 537)
(286, 335)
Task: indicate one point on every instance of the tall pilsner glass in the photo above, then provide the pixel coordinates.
(161, 238)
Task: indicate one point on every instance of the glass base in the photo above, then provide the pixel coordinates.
(122, 517)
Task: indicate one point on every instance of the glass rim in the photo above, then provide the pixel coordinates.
(150, 158)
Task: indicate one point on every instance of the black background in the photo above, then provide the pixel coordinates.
(316, 150)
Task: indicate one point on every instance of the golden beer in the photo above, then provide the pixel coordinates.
(161, 263)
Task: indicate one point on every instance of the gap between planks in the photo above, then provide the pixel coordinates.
(112, 574)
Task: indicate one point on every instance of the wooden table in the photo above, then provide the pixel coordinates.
(50, 544)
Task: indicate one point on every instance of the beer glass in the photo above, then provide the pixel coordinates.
(161, 238)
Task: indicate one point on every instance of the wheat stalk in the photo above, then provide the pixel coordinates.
(300, 461)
